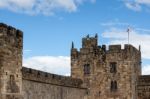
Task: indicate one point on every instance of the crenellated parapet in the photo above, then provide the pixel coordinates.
(89, 41)
(127, 47)
(89, 46)
(10, 36)
(143, 87)
(114, 48)
(44, 77)
(126, 53)
(11, 45)
(144, 80)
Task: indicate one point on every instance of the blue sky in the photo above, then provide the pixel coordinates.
(50, 26)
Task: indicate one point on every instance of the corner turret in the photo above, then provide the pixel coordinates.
(89, 42)
(74, 52)
(10, 62)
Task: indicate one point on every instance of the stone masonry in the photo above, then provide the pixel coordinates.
(108, 74)
(10, 62)
(17, 82)
(97, 72)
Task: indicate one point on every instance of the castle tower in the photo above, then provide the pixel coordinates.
(108, 74)
(10, 62)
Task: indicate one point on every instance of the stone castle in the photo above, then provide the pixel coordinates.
(96, 72)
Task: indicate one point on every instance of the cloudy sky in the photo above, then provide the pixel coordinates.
(50, 26)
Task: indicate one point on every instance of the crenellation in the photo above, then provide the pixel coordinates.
(19, 33)
(40, 76)
(2, 25)
(114, 48)
(131, 48)
(3, 31)
(143, 87)
(127, 48)
(144, 80)
(88, 42)
(10, 36)
(104, 48)
(11, 31)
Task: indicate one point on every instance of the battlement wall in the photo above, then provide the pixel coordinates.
(143, 87)
(126, 47)
(10, 36)
(90, 44)
(114, 48)
(44, 77)
(10, 31)
(42, 85)
(144, 80)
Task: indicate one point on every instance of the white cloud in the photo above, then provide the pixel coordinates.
(133, 6)
(53, 64)
(137, 5)
(143, 30)
(120, 36)
(81, 1)
(146, 70)
(115, 22)
(146, 2)
(27, 50)
(45, 7)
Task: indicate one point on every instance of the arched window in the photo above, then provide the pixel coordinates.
(113, 68)
(12, 78)
(113, 86)
(87, 69)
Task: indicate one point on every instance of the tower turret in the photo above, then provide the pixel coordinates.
(89, 42)
(10, 62)
(108, 74)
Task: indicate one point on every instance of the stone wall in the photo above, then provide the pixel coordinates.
(10, 62)
(128, 69)
(18, 83)
(144, 87)
(42, 85)
(97, 75)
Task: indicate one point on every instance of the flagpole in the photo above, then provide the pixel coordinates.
(128, 30)
(128, 37)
